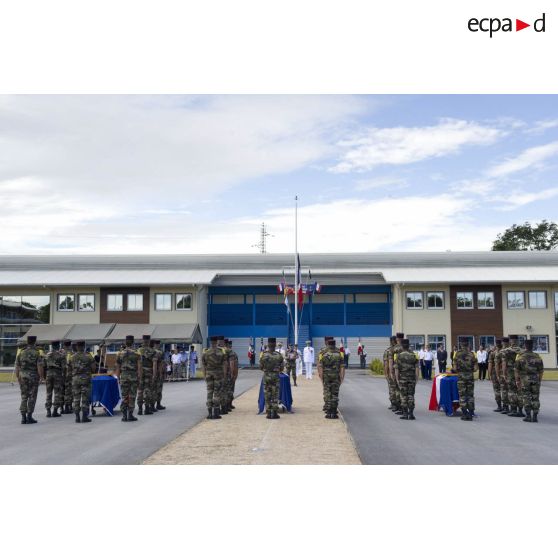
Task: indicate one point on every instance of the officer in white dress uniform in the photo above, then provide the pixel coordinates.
(308, 357)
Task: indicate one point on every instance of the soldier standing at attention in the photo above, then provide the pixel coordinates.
(494, 374)
(529, 372)
(29, 370)
(331, 370)
(226, 384)
(233, 371)
(508, 361)
(271, 363)
(465, 364)
(70, 349)
(407, 375)
(503, 383)
(397, 348)
(391, 382)
(291, 362)
(214, 367)
(160, 377)
(128, 369)
(83, 367)
(149, 371)
(320, 354)
(55, 363)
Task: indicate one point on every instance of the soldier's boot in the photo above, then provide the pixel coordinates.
(513, 412)
(464, 415)
(84, 417)
(65, 409)
(233, 407)
(125, 415)
(23, 418)
(30, 419)
(131, 417)
(160, 407)
(216, 414)
(70, 408)
(148, 410)
(78, 419)
(275, 414)
(400, 411)
(410, 415)
(327, 415)
(404, 415)
(505, 409)
(93, 412)
(49, 414)
(268, 415)
(535, 419)
(334, 414)
(498, 408)
(520, 412)
(152, 407)
(224, 410)
(140, 409)
(55, 412)
(209, 413)
(527, 416)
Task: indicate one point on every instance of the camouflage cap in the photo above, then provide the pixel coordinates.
(405, 343)
(529, 344)
(214, 338)
(67, 342)
(146, 337)
(498, 341)
(400, 335)
(80, 343)
(156, 341)
(272, 339)
(505, 339)
(129, 337)
(393, 338)
(56, 344)
(331, 342)
(31, 339)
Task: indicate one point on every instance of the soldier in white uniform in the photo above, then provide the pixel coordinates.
(308, 358)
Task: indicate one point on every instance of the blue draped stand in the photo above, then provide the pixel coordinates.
(105, 392)
(285, 393)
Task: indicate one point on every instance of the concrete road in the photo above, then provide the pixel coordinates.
(106, 440)
(492, 438)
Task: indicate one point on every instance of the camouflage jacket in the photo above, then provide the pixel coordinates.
(213, 359)
(406, 362)
(494, 360)
(128, 359)
(82, 364)
(271, 363)
(55, 360)
(332, 361)
(148, 357)
(395, 350)
(29, 360)
(291, 359)
(509, 355)
(464, 362)
(233, 361)
(529, 365)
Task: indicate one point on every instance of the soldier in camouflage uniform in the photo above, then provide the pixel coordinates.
(331, 369)
(406, 374)
(320, 354)
(160, 378)
(83, 367)
(226, 384)
(503, 383)
(465, 364)
(146, 384)
(291, 357)
(214, 368)
(529, 371)
(233, 375)
(129, 370)
(494, 373)
(55, 364)
(69, 350)
(391, 382)
(271, 362)
(29, 370)
(508, 360)
(392, 361)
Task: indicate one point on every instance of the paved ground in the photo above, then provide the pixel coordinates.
(243, 438)
(106, 440)
(381, 438)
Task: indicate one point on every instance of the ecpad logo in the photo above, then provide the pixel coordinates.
(494, 25)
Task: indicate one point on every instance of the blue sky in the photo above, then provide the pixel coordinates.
(166, 174)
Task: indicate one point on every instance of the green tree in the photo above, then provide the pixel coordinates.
(543, 236)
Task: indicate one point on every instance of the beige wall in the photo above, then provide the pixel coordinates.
(175, 316)
(75, 317)
(542, 321)
(424, 322)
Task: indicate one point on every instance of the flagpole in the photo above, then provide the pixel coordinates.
(296, 273)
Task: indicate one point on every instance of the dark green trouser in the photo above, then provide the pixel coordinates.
(214, 385)
(332, 382)
(54, 383)
(271, 391)
(81, 385)
(497, 388)
(530, 392)
(28, 386)
(466, 387)
(145, 388)
(128, 389)
(407, 385)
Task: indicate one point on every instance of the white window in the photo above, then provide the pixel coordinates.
(540, 343)
(184, 300)
(466, 339)
(464, 300)
(135, 303)
(163, 301)
(86, 302)
(485, 300)
(435, 340)
(416, 342)
(414, 300)
(537, 299)
(435, 300)
(115, 302)
(487, 341)
(516, 299)
(66, 302)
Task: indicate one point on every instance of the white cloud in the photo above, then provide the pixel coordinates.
(529, 158)
(478, 187)
(380, 182)
(542, 126)
(517, 198)
(401, 146)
